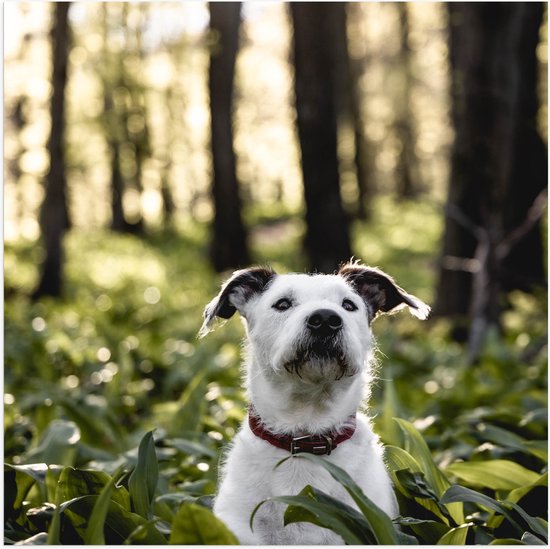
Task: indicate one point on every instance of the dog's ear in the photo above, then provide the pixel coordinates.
(380, 291)
(234, 293)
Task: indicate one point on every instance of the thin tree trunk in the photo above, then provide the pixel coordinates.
(54, 216)
(406, 170)
(498, 161)
(229, 247)
(327, 237)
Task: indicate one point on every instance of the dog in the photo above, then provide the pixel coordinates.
(309, 355)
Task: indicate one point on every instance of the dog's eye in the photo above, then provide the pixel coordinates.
(349, 305)
(283, 304)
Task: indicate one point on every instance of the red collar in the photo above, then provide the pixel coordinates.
(312, 444)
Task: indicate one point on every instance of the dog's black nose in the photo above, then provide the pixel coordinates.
(324, 322)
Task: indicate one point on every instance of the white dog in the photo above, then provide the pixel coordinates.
(309, 346)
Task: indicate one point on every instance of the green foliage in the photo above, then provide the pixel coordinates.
(87, 379)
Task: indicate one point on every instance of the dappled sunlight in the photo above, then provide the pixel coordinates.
(175, 59)
(112, 396)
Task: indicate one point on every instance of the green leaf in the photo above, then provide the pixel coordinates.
(507, 541)
(196, 525)
(417, 447)
(428, 531)
(57, 444)
(94, 531)
(518, 493)
(91, 422)
(191, 448)
(18, 480)
(54, 530)
(460, 493)
(311, 505)
(507, 439)
(497, 474)
(398, 459)
(456, 536)
(119, 522)
(38, 539)
(190, 406)
(380, 523)
(530, 539)
(416, 486)
(143, 480)
(74, 483)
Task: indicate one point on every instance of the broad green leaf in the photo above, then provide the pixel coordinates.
(348, 516)
(333, 515)
(54, 530)
(119, 522)
(191, 405)
(417, 447)
(530, 539)
(507, 541)
(507, 439)
(37, 539)
(196, 525)
(415, 485)
(74, 483)
(515, 495)
(428, 531)
(93, 426)
(456, 536)
(380, 523)
(18, 480)
(538, 448)
(94, 531)
(143, 480)
(460, 493)
(191, 448)
(398, 460)
(497, 474)
(57, 444)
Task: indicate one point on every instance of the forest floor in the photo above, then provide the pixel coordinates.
(87, 377)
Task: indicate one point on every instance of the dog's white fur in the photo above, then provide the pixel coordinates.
(318, 396)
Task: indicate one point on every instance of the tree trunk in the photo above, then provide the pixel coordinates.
(54, 216)
(229, 247)
(498, 160)
(524, 268)
(327, 237)
(364, 160)
(406, 169)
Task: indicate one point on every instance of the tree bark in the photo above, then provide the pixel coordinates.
(327, 235)
(406, 170)
(54, 215)
(229, 246)
(498, 159)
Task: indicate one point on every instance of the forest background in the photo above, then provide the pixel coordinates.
(152, 148)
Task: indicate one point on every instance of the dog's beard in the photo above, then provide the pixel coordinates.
(320, 356)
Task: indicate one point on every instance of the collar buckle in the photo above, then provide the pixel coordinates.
(318, 445)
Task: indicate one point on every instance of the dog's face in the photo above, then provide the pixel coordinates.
(316, 327)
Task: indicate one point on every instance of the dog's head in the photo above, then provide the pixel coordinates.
(312, 326)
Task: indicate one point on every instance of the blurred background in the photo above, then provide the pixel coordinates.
(152, 148)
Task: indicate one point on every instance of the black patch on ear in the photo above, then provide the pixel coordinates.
(380, 291)
(247, 282)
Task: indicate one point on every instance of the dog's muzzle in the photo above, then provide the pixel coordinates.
(321, 343)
